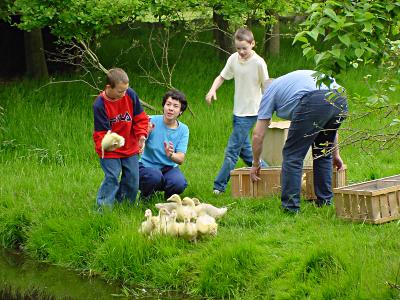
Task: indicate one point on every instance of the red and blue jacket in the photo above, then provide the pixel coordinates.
(124, 116)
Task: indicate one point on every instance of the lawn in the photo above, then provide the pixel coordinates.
(50, 175)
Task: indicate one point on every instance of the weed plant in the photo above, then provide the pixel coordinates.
(50, 175)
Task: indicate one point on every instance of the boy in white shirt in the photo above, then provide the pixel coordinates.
(250, 73)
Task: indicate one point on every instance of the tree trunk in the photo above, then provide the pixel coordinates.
(220, 34)
(272, 39)
(35, 60)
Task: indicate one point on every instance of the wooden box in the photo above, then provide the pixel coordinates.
(338, 180)
(376, 201)
(270, 183)
(274, 140)
(242, 186)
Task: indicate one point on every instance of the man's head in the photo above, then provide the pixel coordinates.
(117, 82)
(244, 42)
(174, 103)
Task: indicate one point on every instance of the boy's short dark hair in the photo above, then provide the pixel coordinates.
(115, 76)
(244, 34)
(176, 95)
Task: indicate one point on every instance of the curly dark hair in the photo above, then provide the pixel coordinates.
(176, 95)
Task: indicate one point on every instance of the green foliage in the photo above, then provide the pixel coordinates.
(49, 208)
(339, 34)
(78, 20)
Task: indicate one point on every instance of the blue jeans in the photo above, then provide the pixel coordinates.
(168, 179)
(315, 122)
(238, 145)
(111, 188)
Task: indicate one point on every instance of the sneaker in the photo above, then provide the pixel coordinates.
(217, 192)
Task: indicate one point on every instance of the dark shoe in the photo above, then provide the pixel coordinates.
(290, 211)
(321, 203)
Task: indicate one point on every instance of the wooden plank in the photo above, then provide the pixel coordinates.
(339, 205)
(384, 206)
(393, 206)
(363, 208)
(355, 211)
(347, 206)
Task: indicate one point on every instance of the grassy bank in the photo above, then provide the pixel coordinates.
(50, 175)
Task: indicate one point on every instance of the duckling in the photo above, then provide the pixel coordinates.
(206, 224)
(168, 206)
(172, 226)
(147, 226)
(185, 208)
(164, 216)
(111, 141)
(174, 198)
(188, 231)
(196, 201)
(211, 210)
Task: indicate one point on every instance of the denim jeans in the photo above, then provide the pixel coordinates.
(111, 188)
(314, 123)
(168, 179)
(238, 145)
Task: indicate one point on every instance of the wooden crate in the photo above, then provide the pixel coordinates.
(376, 201)
(242, 186)
(274, 140)
(270, 183)
(338, 180)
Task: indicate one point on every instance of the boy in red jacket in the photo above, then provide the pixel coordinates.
(118, 109)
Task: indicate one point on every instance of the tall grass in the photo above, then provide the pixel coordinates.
(50, 175)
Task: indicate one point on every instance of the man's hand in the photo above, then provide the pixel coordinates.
(255, 173)
(337, 162)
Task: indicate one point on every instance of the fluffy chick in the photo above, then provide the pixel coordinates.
(206, 224)
(184, 209)
(111, 141)
(147, 226)
(188, 231)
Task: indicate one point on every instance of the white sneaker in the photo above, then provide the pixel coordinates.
(217, 192)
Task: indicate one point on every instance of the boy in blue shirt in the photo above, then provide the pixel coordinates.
(165, 149)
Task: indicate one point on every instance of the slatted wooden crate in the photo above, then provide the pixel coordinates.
(339, 179)
(242, 186)
(270, 183)
(376, 201)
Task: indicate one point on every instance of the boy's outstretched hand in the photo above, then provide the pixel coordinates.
(210, 96)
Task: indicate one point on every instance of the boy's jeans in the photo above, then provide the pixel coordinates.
(315, 122)
(238, 145)
(110, 188)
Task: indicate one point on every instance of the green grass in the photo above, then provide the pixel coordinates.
(50, 175)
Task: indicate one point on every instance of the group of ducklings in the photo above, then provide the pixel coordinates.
(197, 219)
